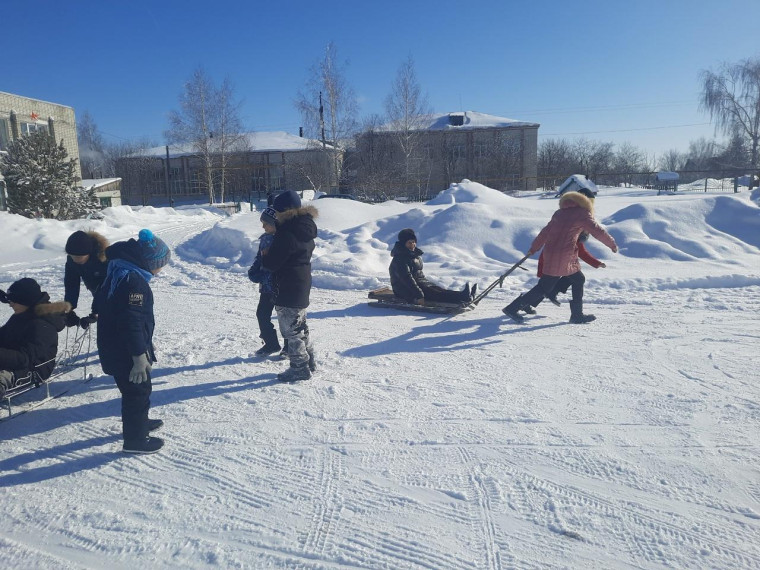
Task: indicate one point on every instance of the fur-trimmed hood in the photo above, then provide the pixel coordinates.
(57, 308)
(296, 212)
(101, 243)
(573, 199)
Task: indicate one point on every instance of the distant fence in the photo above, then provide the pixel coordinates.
(732, 180)
(688, 180)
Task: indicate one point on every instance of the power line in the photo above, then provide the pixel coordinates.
(605, 107)
(623, 130)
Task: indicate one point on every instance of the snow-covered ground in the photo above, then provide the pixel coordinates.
(422, 441)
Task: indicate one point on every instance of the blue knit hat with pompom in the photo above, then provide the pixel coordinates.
(154, 251)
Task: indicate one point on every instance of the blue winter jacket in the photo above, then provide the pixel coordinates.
(257, 273)
(125, 315)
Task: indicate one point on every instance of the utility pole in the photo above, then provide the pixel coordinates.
(322, 119)
(166, 179)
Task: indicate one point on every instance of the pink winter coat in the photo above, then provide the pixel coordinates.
(560, 236)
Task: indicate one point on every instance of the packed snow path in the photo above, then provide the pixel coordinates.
(425, 442)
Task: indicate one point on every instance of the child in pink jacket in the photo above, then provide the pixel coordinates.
(559, 240)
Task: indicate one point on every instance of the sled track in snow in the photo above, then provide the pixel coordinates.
(480, 486)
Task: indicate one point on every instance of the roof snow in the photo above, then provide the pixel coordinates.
(97, 182)
(463, 120)
(274, 141)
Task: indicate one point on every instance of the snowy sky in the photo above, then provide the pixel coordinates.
(421, 441)
(601, 70)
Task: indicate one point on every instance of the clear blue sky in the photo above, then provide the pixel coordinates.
(607, 70)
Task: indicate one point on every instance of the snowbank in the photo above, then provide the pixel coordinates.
(470, 232)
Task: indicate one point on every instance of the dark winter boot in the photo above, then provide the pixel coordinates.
(268, 349)
(474, 291)
(295, 373)
(511, 310)
(284, 351)
(154, 425)
(143, 446)
(576, 314)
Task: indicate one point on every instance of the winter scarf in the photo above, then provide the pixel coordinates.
(119, 269)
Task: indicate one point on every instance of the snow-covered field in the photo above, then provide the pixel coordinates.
(422, 441)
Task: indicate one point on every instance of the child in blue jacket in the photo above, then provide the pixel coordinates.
(124, 305)
(265, 279)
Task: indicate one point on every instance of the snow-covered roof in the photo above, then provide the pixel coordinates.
(97, 182)
(667, 175)
(274, 141)
(463, 120)
(577, 181)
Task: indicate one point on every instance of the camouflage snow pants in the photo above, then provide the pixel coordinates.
(295, 331)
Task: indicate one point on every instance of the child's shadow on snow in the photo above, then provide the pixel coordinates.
(439, 336)
(44, 419)
(445, 335)
(180, 393)
(67, 459)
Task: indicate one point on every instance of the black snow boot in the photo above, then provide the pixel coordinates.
(511, 310)
(295, 373)
(144, 446)
(576, 314)
(474, 291)
(154, 425)
(268, 349)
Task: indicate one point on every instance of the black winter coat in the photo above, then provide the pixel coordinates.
(92, 272)
(406, 273)
(125, 320)
(289, 256)
(31, 338)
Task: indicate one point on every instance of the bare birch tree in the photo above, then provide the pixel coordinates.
(408, 110)
(329, 108)
(732, 98)
(229, 137)
(208, 120)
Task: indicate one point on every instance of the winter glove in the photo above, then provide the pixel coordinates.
(140, 369)
(85, 322)
(3, 297)
(72, 319)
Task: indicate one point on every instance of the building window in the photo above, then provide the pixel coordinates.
(105, 202)
(196, 182)
(458, 152)
(5, 136)
(31, 128)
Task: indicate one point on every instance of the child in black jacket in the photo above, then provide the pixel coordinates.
(289, 260)
(409, 282)
(29, 340)
(86, 262)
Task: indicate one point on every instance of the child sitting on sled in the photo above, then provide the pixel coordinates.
(409, 282)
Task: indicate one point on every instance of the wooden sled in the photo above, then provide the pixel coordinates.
(383, 298)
